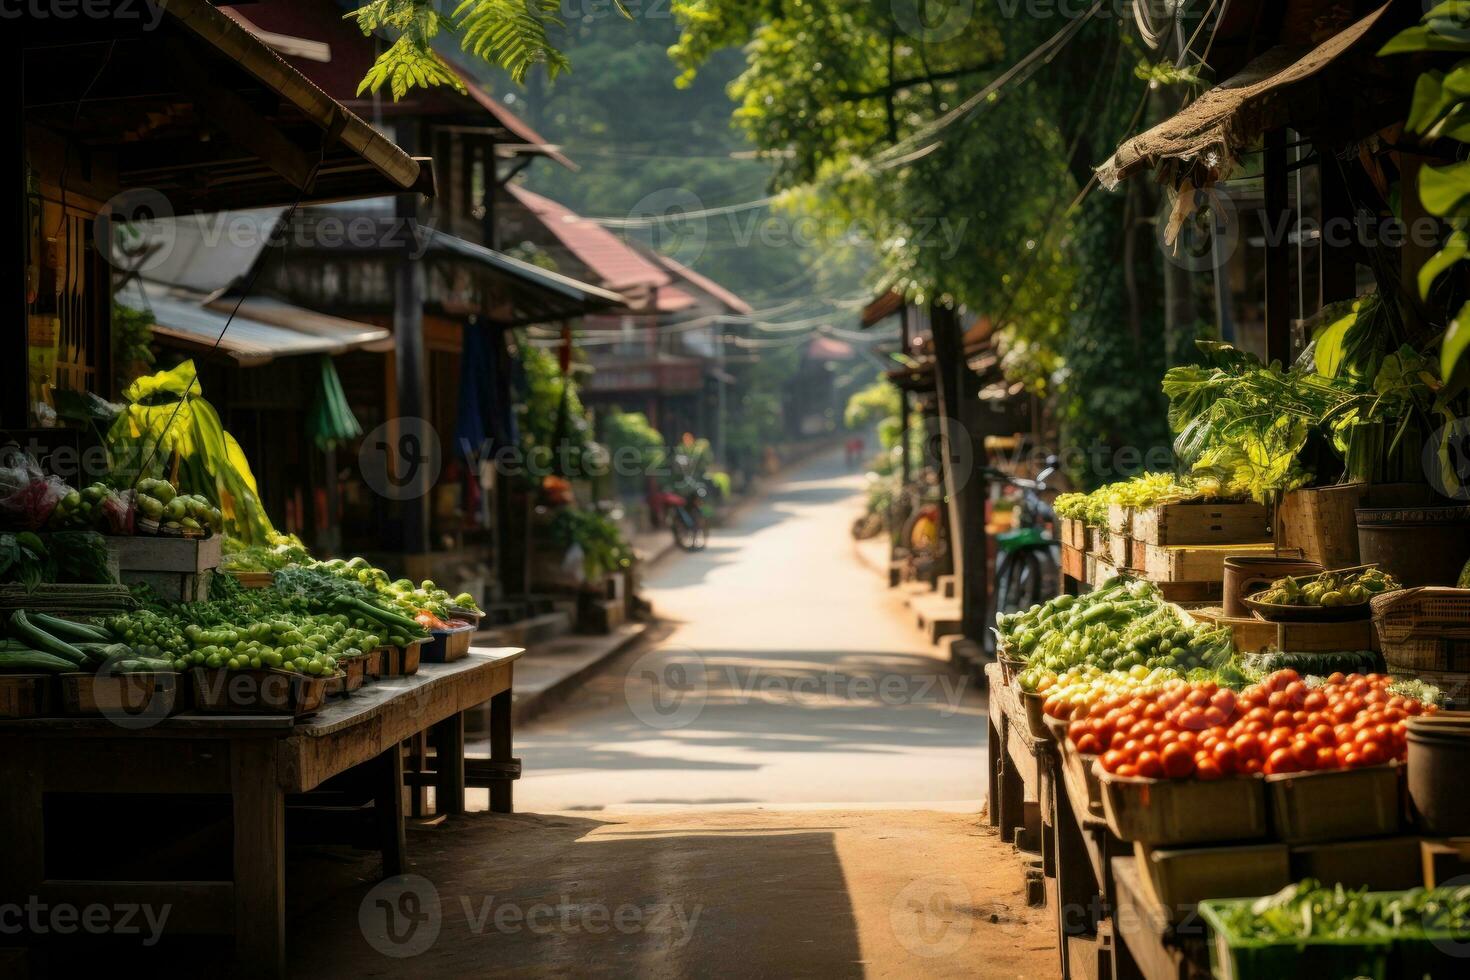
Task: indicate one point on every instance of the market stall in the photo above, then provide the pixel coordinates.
(1232, 747)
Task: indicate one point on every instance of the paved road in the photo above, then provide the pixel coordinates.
(790, 675)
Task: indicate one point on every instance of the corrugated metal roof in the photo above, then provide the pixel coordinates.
(198, 319)
(618, 265)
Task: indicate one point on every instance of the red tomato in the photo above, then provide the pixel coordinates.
(1324, 736)
(1192, 720)
(1248, 747)
(1278, 701)
(1251, 766)
(1259, 714)
(1280, 738)
(1214, 717)
(1225, 756)
(1150, 765)
(1280, 760)
(1126, 721)
(1326, 758)
(1150, 741)
(1207, 768)
(1089, 745)
(1305, 754)
(1371, 754)
(1177, 761)
(1133, 746)
(1112, 759)
(1127, 769)
(1315, 701)
(1152, 711)
(1283, 719)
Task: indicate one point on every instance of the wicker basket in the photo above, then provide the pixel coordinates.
(1425, 629)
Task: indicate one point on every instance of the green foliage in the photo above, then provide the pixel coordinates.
(553, 423)
(603, 547)
(876, 403)
(510, 33)
(635, 447)
(132, 335)
(166, 417)
(1441, 110)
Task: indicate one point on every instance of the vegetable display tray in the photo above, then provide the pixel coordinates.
(447, 646)
(26, 695)
(1035, 717)
(351, 676)
(1235, 958)
(401, 661)
(1184, 811)
(257, 692)
(1180, 878)
(1277, 613)
(1336, 804)
(152, 694)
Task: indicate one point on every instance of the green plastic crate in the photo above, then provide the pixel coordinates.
(1234, 958)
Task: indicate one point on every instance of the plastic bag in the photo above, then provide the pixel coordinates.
(118, 510)
(27, 495)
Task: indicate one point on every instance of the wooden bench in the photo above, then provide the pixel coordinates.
(256, 761)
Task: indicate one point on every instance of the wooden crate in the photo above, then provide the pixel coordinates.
(1097, 540)
(1074, 563)
(1197, 562)
(26, 695)
(1121, 551)
(1192, 593)
(1101, 570)
(1323, 523)
(1200, 522)
(155, 694)
(1074, 534)
(1120, 519)
(178, 569)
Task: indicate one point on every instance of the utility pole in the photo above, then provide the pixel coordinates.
(903, 397)
(964, 470)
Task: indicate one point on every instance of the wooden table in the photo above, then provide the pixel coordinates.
(256, 761)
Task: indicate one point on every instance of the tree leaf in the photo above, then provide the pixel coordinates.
(1442, 188)
(1455, 248)
(1456, 339)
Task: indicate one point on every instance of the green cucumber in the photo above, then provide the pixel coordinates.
(24, 629)
(67, 630)
(33, 661)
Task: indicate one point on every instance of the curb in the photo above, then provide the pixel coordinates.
(524, 709)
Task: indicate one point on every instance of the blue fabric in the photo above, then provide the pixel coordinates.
(486, 417)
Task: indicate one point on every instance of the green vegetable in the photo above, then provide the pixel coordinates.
(33, 661)
(68, 630)
(22, 628)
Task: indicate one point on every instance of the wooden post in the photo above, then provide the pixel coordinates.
(260, 858)
(449, 764)
(388, 802)
(964, 476)
(1338, 278)
(1278, 253)
(14, 344)
(903, 397)
(501, 789)
(411, 370)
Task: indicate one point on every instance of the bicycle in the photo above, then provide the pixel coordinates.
(1028, 558)
(687, 520)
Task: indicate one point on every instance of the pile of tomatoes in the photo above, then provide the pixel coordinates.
(1204, 731)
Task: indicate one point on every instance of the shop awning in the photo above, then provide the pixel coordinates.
(184, 101)
(261, 331)
(1205, 139)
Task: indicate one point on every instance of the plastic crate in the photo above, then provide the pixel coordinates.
(1235, 958)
